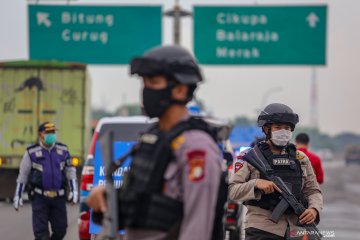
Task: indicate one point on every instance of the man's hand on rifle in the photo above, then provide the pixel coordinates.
(308, 216)
(266, 186)
(96, 199)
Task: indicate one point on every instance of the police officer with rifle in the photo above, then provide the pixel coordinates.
(175, 188)
(277, 182)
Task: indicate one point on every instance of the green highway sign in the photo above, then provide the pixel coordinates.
(260, 35)
(93, 34)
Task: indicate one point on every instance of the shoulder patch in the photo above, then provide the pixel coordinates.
(239, 162)
(196, 162)
(300, 155)
(177, 142)
(238, 165)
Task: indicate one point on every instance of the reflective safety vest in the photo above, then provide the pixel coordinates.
(48, 166)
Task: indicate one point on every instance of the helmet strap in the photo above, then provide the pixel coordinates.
(178, 102)
(268, 132)
(171, 83)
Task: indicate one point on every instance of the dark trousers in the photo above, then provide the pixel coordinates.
(45, 210)
(257, 234)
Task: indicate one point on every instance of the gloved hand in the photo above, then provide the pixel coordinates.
(17, 201)
(73, 196)
(73, 193)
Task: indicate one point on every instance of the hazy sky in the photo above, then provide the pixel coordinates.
(236, 90)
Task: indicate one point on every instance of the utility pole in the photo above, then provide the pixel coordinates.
(313, 99)
(177, 13)
(267, 94)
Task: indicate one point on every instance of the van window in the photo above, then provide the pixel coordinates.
(126, 132)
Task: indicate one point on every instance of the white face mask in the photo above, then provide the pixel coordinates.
(281, 137)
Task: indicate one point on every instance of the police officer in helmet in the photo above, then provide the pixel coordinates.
(47, 169)
(171, 190)
(292, 166)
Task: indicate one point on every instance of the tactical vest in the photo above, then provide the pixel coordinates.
(288, 168)
(48, 167)
(141, 202)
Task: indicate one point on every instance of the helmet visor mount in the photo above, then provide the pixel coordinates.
(152, 67)
(290, 118)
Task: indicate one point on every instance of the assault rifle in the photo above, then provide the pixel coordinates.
(110, 217)
(110, 221)
(255, 158)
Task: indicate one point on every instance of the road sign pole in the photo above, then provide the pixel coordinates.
(177, 26)
(177, 13)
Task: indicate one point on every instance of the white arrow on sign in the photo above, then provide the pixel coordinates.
(312, 18)
(43, 18)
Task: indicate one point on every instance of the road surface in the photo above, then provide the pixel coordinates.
(339, 220)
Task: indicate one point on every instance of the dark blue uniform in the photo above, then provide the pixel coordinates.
(47, 172)
(53, 210)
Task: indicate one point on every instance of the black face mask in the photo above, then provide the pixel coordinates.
(156, 101)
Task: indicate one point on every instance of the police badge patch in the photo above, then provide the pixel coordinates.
(238, 166)
(196, 161)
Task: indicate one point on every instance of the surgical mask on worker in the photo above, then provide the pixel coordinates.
(50, 138)
(156, 101)
(281, 137)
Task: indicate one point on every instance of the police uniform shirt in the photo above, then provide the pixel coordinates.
(193, 178)
(242, 188)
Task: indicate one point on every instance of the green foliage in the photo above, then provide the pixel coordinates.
(123, 110)
(318, 140)
(129, 110)
(346, 140)
(244, 121)
(98, 113)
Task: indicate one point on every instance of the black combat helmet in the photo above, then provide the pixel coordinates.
(175, 62)
(278, 113)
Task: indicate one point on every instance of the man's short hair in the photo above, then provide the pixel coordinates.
(302, 138)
